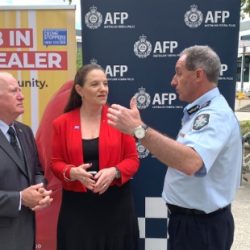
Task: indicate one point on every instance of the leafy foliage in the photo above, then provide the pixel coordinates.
(245, 127)
(245, 7)
(79, 58)
(70, 1)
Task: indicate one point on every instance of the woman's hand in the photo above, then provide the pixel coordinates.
(103, 179)
(81, 174)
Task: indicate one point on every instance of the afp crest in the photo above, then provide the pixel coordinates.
(93, 19)
(142, 98)
(193, 18)
(142, 47)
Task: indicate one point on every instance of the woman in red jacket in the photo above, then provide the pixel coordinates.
(95, 163)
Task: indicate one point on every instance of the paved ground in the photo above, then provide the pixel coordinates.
(241, 205)
(241, 212)
(242, 109)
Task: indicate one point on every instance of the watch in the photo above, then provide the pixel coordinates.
(140, 131)
(117, 173)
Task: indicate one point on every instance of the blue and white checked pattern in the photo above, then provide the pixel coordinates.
(153, 227)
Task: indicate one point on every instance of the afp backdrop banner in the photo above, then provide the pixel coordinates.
(138, 44)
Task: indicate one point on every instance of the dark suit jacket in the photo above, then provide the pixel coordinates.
(17, 228)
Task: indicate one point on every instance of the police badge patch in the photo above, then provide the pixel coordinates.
(201, 121)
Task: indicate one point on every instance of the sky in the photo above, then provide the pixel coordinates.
(47, 2)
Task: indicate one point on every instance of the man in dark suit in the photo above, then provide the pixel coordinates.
(22, 188)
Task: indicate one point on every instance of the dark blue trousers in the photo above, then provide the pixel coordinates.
(213, 231)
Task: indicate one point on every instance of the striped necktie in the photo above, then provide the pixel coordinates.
(14, 143)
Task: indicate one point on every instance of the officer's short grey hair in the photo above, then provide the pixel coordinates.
(203, 57)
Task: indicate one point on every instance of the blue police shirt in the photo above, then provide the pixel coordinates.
(210, 127)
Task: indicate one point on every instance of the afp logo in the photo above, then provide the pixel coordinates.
(165, 49)
(143, 99)
(217, 18)
(118, 73)
(159, 100)
(93, 19)
(224, 74)
(141, 150)
(193, 18)
(113, 70)
(116, 18)
(116, 70)
(223, 69)
(142, 47)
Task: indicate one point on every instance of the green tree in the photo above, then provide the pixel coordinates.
(245, 7)
(70, 1)
(79, 58)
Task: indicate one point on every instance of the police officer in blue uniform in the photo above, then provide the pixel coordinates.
(204, 162)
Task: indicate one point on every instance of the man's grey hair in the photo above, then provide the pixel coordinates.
(205, 58)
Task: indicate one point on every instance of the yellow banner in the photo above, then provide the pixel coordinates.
(38, 46)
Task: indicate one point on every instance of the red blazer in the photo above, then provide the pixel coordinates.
(115, 149)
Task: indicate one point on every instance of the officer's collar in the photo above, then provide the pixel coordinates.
(197, 107)
(202, 102)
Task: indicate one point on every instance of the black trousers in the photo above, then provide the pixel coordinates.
(213, 231)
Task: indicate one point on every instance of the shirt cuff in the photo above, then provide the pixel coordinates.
(20, 202)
